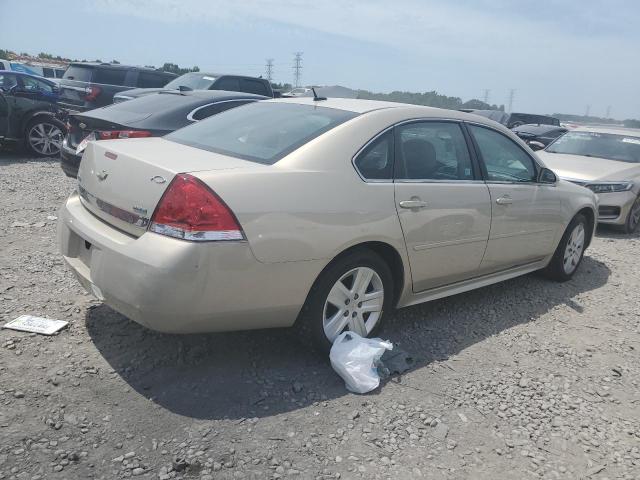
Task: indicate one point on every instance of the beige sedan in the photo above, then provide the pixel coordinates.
(323, 214)
(607, 161)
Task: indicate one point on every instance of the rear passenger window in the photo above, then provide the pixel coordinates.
(79, 72)
(504, 160)
(227, 83)
(109, 76)
(375, 162)
(208, 110)
(432, 151)
(253, 86)
(151, 80)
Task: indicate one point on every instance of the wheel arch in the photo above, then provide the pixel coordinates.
(388, 253)
(30, 116)
(590, 215)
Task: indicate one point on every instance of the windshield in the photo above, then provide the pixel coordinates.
(603, 145)
(262, 132)
(194, 81)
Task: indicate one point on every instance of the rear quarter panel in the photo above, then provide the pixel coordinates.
(312, 204)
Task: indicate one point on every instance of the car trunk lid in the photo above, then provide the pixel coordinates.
(121, 181)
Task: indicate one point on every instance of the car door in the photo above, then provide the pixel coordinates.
(443, 205)
(525, 214)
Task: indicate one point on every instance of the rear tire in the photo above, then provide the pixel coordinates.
(43, 136)
(568, 255)
(354, 292)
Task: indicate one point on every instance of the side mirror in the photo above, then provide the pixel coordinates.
(535, 145)
(547, 176)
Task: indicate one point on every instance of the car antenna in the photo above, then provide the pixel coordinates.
(316, 98)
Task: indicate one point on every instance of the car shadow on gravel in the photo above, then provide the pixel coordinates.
(263, 373)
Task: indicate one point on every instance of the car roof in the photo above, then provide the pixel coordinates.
(118, 66)
(536, 128)
(24, 74)
(218, 75)
(633, 132)
(212, 94)
(361, 106)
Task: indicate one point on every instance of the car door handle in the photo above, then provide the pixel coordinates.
(413, 204)
(505, 200)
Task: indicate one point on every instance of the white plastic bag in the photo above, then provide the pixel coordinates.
(354, 358)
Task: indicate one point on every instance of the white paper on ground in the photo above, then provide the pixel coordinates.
(29, 323)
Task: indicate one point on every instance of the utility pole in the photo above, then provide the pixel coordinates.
(269, 67)
(486, 96)
(297, 68)
(608, 111)
(586, 113)
(512, 94)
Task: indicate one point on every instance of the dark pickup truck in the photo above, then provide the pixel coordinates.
(205, 81)
(86, 86)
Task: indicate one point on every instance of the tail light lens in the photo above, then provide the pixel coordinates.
(115, 134)
(91, 93)
(190, 210)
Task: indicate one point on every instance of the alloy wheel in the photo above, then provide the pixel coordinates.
(574, 248)
(45, 138)
(354, 303)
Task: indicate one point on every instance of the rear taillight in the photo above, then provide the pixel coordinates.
(91, 93)
(115, 134)
(190, 210)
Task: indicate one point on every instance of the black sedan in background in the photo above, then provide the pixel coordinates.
(540, 135)
(149, 116)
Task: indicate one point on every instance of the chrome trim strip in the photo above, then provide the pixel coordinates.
(193, 112)
(112, 210)
(448, 243)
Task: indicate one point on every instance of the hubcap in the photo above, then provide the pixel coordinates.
(45, 138)
(634, 216)
(573, 250)
(354, 303)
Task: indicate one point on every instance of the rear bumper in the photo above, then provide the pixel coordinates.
(69, 161)
(176, 286)
(614, 207)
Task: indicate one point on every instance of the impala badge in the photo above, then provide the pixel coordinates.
(158, 179)
(102, 175)
(140, 210)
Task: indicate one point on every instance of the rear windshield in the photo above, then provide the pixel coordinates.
(262, 132)
(194, 81)
(75, 72)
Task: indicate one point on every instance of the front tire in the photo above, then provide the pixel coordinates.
(43, 136)
(568, 255)
(633, 219)
(354, 292)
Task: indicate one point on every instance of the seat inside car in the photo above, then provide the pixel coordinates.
(420, 159)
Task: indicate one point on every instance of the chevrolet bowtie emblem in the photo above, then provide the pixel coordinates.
(102, 175)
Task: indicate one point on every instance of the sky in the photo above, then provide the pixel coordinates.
(560, 56)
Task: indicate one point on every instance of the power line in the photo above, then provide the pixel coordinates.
(512, 94)
(269, 69)
(297, 68)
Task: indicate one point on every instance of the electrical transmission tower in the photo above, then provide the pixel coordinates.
(608, 112)
(269, 68)
(512, 94)
(586, 113)
(486, 96)
(297, 68)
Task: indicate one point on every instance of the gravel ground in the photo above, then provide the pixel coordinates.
(524, 379)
